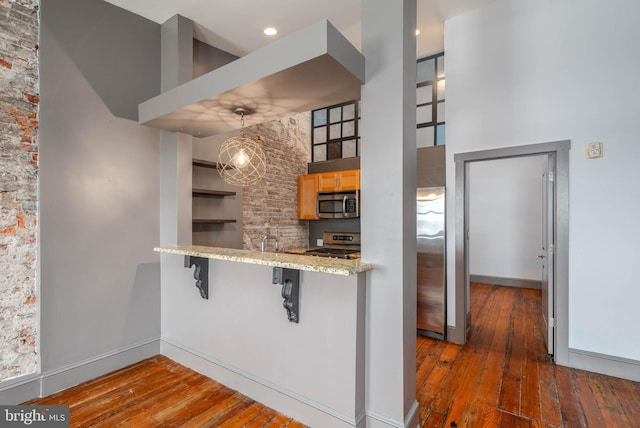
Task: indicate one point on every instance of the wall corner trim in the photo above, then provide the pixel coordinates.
(454, 335)
(412, 418)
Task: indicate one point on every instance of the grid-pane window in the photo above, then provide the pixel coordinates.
(430, 97)
(335, 132)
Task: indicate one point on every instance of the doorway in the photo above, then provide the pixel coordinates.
(558, 154)
(506, 223)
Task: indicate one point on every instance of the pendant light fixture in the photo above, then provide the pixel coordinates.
(241, 161)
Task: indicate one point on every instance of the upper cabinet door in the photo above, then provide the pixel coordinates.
(307, 196)
(327, 181)
(339, 180)
(349, 180)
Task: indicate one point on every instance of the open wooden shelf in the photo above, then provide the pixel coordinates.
(212, 221)
(204, 163)
(206, 193)
(209, 193)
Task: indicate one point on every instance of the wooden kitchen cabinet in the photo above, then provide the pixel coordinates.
(339, 180)
(349, 180)
(309, 185)
(307, 196)
(327, 181)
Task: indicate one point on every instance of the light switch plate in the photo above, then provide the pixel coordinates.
(593, 150)
(319, 242)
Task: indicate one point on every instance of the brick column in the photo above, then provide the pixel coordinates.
(271, 205)
(19, 98)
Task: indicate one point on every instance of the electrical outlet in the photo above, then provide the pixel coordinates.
(593, 150)
(319, 242)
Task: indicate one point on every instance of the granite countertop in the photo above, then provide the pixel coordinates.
(299, 250)
(283, 259)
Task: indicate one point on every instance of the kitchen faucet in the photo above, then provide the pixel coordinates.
(267, 238)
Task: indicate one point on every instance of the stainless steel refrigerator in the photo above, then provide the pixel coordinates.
(431, 262)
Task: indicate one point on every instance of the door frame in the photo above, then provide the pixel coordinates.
(547, 258)
(560, 150)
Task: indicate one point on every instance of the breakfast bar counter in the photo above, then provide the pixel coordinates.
(285, 329)
(335, 266)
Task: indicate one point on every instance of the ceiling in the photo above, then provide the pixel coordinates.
(236, 26)
(313, 69)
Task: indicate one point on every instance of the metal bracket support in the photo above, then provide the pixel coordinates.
(290, 281)
(201, 274)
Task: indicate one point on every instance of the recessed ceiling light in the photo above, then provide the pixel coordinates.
(270, 31)
(417, 32)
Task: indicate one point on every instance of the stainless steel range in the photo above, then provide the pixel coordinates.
(342, 245)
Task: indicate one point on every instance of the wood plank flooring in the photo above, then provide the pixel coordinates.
(503, 377)
(159, 392)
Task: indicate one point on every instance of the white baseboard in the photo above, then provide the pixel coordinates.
(290, 403)
(40, 385)
(507, 282)
(605, 364)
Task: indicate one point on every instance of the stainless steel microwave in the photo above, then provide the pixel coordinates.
(344, 204)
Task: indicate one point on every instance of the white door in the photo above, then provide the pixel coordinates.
(547, 255)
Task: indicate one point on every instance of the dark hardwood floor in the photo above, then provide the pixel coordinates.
(503, 377)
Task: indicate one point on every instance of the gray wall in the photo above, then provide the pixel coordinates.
(318, 227)
(99, 278)
(228, 235)
(115, 51)
(388, 181)
(207, 58)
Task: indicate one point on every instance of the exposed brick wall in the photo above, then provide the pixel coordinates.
(19, 98)
(272, 204)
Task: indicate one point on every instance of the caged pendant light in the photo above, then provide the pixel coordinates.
(241, 161)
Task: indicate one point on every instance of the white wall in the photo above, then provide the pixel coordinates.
(521, 72)
(505, 217)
